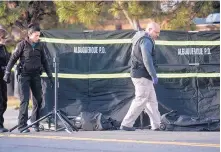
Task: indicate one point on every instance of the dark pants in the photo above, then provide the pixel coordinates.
(3, 100)
(27, 82)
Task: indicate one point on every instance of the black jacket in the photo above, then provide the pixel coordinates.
(4, 58)
(31, 58)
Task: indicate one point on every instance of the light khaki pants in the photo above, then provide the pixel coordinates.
(145, 99)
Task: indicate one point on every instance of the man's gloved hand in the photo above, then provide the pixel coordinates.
(6, 77)
(155, 80)
(51, 82)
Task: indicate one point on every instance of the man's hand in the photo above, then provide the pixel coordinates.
(155, 80)
(6, 77)
(51, 82)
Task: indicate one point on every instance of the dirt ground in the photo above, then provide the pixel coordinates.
(14, 102)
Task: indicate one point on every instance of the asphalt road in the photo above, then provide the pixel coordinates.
(106, 141)
(111, 141)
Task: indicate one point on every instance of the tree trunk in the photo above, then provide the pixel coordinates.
(136, 25)
(133, 22)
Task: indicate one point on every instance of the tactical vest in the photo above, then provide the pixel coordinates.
(138, 68)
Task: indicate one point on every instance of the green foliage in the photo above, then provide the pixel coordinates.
(9, 16)
(181, 20)
(135, 9)
(10, 48)
(3, 22)
(114, 10)
(12, 17)
(2, 9)
(75, 12)
(203, 8)
(92, 13)
(88, 12)
(184, 15)
(65, 10)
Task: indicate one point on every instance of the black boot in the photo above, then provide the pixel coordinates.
(127, 128)
(2, 129)
(25, 131)
(36, 128)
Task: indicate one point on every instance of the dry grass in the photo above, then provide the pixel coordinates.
(15, 102)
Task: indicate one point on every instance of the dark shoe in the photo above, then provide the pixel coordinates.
(127, 128)
(157, 129)
(36, 128)
(25, 131)
(3, 130)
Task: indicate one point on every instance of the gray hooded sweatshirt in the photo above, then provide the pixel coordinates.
(142, 56)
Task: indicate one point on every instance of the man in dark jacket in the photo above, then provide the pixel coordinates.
(143, 76)
(4, 58)
(32, 57)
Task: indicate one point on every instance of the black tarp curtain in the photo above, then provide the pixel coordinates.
(94, 72)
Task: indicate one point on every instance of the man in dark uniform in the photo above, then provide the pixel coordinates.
(32, 57)
(4, 58)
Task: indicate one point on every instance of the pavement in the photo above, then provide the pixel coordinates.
(106, 141)
(11, 117)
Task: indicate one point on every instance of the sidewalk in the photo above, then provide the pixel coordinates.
(11, 117)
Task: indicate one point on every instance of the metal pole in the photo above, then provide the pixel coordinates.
(55, 92)
(141, 120)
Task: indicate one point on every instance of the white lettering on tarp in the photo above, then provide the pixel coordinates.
(207, 51)
(194, 51)
(91, 50)
(102, 50)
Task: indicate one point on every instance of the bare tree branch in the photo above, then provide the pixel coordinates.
(126, 14)
(136, 24)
